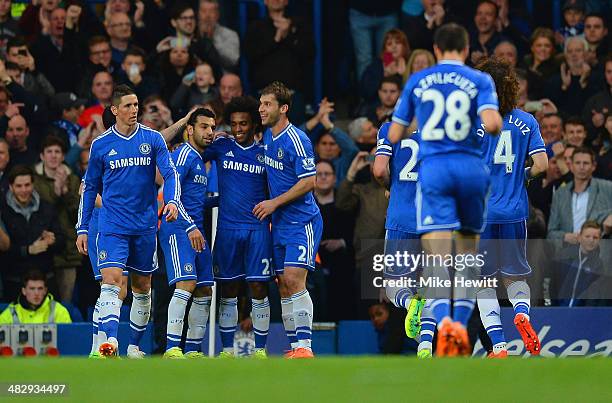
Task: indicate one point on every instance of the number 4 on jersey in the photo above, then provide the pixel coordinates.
(503, 151)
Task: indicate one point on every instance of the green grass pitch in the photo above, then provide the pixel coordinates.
(333, 379)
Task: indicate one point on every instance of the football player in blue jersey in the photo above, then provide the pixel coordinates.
(296, 221)
(243, 245)
(122, 168)
(446, 100)
(188, 258)
(504, 239)
(396, 168)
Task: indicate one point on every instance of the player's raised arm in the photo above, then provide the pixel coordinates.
(172, 185)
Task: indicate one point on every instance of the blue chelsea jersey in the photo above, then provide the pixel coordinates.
(192, 175)
(242, 182)
(122, 169)
(505, 155)
(404, 173)
(446, 100)
(289, 157)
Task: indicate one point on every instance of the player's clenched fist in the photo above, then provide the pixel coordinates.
(171, 212)
(81, 244)
(197, 240)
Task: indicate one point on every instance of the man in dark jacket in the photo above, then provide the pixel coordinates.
(33, 228)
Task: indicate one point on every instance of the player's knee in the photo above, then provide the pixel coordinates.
(230, 290)
(259, 290)
(204, 291)
(188, 286)
(111, 276)
(294, 281)
(141, 284)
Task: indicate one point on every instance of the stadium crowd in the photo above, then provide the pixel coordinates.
(61, 60)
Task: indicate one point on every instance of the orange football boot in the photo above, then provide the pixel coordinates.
(462, 340)
(302, 352)
(289, 353)
(445, 343)
(529, 336)
(108, 350)
(501, 354)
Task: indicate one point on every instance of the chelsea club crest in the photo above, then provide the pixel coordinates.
(102, 255)
(280, 154)
(260, 158)
(145, 148)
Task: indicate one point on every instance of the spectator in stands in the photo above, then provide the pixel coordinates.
(134, 73)
(363, 132)
(156, 113)
(570, 89)
(101, 93)
(485, 37)
(604, 159)
(513, 26)
(280, 40)
(35, 304)
(586, 198)
(388, 93)
(183, 21)
(17, 135)
(5, 159)
(392, 61)
(196, 89)
(551, 127)
(573, 18)
(69, 107)
(333, 144)
(36, 18)
(505, 50)
(369, 21)
(174, 64)
(230, 86)
(564, 162)
(33, 227)
(599, 105)
(119, 30)
(225, 40)
(59, 187)
(596, 35)
(336, 249)
(29, 78)
(99, 58)
(580, 273)
(5, 241)
(540, 190)
(541, 63)
(575, 131)
(420, 59)
(9, 27)
(420, 29)
(60, 57)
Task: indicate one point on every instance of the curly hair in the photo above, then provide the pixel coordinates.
(506, 82)
(245, 104)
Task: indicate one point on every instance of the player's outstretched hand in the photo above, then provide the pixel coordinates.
(171, 212)
(81, 244)
(264, 209)
(197, 240)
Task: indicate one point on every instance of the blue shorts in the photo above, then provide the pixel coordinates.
(183, 263)
(243, 253)
(505, 249)
(451, 194)
(401, 241)
(296, 245)
(92, 245)
(136, 253)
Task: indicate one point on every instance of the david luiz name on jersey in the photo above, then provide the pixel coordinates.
(129, 162)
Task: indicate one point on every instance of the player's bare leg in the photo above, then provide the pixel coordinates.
(519, 296)
(139, 312)
(466, 244)
(260, 315)
(440, 243)
(294, 282)
(110, 309)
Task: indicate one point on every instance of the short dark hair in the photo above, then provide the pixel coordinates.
(590, 224)
(280, 92)
(584, 150)
(15, 42)
(596, 15)
(574, 120)
(52, 140)
(33, 275)
(136, 51)
(178, 9)
(20, 170)
(119, 92)
(108, 119)
(451, 37)
(328, 162)
(193, 118)
(246, 104)
(96, 40)
(394, 79)
(481, 2)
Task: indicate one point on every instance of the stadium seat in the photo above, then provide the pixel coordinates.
(74, 312)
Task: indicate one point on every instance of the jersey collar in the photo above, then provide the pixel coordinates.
(455, 62)
(246, 148)
(124, 137)
(281, 133)
(194, 150)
